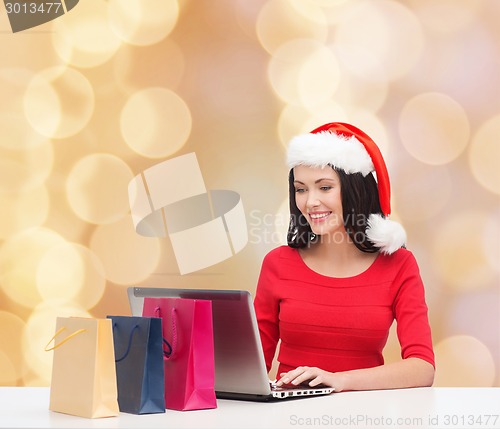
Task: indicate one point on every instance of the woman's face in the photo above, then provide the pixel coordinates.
(317, 195)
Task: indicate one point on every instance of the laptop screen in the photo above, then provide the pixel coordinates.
(239, 359)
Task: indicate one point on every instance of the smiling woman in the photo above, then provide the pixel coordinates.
(357, 202)
(364, 201)
(317, 196)
(332, 294)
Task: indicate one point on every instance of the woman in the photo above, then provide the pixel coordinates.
(332, 294)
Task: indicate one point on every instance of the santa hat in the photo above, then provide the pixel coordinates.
(346, 147)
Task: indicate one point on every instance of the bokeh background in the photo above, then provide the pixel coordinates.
(95, 97)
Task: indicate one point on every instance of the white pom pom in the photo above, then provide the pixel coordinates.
(386, 234)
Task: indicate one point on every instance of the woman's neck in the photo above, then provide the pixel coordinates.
(339, 258)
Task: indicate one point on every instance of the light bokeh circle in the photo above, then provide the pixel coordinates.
(141, 67)
(319, 77)
(304, 72)
(155, 122)
(59, 102)
(127, 257)
(463, 361)
(359, 91)
(313, 10)
(459, 14)
(462, 318)
(434, 128)
(333, 10)
(459, 253)
(295, 119)
(20, 256)
(381, 36)
(84, 39)
(16, 131)
(484, 155)
(142, 23)
(70, 272)
(279, 21)
(416, 203)
(491, 233)
(23, 210)
(8, 371)
(96, 188)
(12, 366)
(25, 169)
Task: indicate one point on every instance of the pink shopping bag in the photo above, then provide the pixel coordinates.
(189, 364)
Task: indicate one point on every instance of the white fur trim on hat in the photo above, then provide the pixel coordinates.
(321, 149)
(386, 234)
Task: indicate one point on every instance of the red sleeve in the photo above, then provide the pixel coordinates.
(267, 306)
(410, 312)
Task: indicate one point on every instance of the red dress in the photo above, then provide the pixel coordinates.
(340, 324)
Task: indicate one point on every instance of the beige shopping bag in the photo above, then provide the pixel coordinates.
(83, 368)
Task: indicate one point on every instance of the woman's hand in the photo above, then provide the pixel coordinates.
(311, 376)
(411, 372)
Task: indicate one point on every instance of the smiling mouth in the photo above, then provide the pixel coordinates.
(319, 216)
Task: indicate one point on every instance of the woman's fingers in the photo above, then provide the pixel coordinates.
(297, 376)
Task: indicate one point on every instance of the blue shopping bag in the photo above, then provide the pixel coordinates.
(138, 345)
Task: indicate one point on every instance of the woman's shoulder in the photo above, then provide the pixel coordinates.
(398, 259)
(280, 260)
(401, 253)
(280, 253)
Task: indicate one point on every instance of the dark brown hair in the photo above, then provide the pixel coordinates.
(359, 200)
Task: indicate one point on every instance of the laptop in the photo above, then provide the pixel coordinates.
(240, 369)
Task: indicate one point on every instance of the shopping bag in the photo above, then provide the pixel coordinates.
(83, 368)
(139, 364)
(189, 367)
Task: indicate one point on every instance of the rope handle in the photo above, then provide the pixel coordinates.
(129, 341)
(115, 325)
(79, 331)
(165, 353)
(172, 348)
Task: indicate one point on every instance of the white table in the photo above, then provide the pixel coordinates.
(27, 407)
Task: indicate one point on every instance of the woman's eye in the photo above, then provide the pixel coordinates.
(299, 190)
(326, 188)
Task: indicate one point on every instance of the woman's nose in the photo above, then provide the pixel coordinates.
(312, 200)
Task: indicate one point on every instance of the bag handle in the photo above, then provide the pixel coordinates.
(115, 325)
(165, 353)
(79, 331)
(172, 348)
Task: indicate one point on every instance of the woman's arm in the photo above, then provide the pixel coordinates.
(411, 372)
(267, 306)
